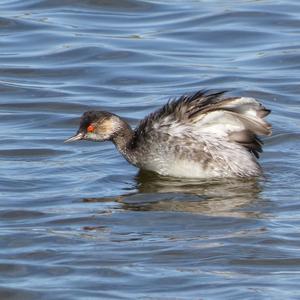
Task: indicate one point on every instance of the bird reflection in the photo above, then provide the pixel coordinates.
(226, 197)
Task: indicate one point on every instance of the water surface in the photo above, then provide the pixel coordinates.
(78, 222)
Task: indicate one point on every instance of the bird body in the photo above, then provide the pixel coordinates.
(197, 136)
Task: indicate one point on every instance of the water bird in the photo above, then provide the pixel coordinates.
(201, 135)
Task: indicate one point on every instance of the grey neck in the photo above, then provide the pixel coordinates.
(123, 139)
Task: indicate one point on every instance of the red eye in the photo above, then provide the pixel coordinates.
(90, 128)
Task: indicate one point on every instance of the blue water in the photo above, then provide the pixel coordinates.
(77, 221)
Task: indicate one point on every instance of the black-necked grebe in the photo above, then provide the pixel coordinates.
(202, 135)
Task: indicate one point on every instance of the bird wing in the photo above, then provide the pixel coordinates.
(236, 119)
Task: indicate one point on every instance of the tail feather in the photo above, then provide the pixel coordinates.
(249, 140)
(238, 119)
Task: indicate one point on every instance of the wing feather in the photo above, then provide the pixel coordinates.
(237, 119)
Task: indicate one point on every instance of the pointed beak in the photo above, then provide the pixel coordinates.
(76, 137)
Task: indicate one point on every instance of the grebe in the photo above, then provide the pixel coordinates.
(202, 135)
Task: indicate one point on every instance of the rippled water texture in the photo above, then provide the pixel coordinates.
(78, 222)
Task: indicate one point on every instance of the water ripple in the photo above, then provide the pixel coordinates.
(80, 222)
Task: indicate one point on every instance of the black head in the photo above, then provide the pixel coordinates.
(96, 126)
